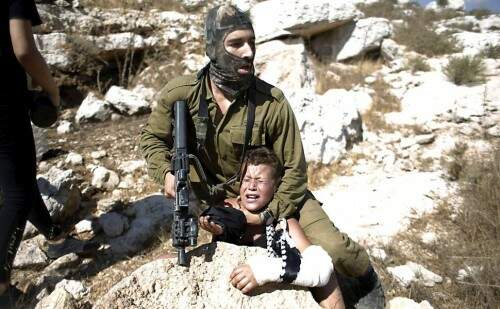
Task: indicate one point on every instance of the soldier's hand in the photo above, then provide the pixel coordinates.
(170, 185)
(243, 279)
(211, 227)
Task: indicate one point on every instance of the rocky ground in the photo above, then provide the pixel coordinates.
(382, 121)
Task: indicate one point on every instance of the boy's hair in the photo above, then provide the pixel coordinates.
(262, 155)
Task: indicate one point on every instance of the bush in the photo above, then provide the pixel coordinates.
(465, 70)
(386, 9)
(416, 64)
(481, 13)
(383, 102)
(417, 35)
(492, 52)
(442, 3)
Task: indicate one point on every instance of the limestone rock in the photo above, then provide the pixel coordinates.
(127, 102)
(53, 47)
(102, 178)
(58, 299)
(75, 288)
(329, 123)
(152, 214)
(406, 303)
(458, 5)
(41, 144)
(74, 158)
(60, 193)
(93, 109)
(129, 167)
(277, 18)
(29, 255)
(285, 64)
(163, 284)
(66, 261)
(475, 43)
(406, 274)
(64, 127)
(391, 50)
(353, 39)
(490, 23)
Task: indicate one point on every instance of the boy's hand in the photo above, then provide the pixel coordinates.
(243, 279)
(211, 227)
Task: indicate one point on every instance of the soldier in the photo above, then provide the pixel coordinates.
(231, 110)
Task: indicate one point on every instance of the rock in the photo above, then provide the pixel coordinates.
(64, 127)
(458, 5)
(127, 102)
(58, 299)
(474, 43)
(353, 39)
(113, 224)
(406, 274)
(468, 272)
(278, 18)
(494, 131)
(74, 158)
(383, 204)
(93, 109)
(428, 238)
(60, 193)
(378, 254)
(109, 204)
(327, 138)
(406, 303)
(192, 4)
(391, 50)
(53, 47)
(71, 245)
(103, 178)
(75, 288)
(285, 64)
(29, 255)
(163, 284)
(70, 260)
(98, 154)
(87, 226)
(424, 139)
(490, 23)
(41, 144)
(129, 167)
(152, 214)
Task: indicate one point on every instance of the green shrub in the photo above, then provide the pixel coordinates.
(492, 52)
(442, 3)
(386, 9)
(417, 37)
(465, 70)
(416, 64)
(481, 13)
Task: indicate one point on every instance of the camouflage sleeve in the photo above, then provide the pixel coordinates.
(287, 145)
(156, 140)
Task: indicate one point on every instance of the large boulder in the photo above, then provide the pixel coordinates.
(458, 5)
(60, 192)
(151, 215)
(277, 18)
(93, 109)
(474, 43)
(204, 284)
(54, 49)
(353, 39)
(285, 64)
(329, 124)
(127, 102)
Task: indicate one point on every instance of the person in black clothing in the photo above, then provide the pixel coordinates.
(22, 200)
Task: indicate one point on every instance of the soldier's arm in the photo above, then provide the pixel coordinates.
(156, 140)
(287, 145)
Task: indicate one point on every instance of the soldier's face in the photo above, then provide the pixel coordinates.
(241, 43)
(257, 187)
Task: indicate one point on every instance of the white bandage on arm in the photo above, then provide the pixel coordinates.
(265, 269)
(316, 267)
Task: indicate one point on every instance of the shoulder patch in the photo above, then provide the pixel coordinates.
(268, 89)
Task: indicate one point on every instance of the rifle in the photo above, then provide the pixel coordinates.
(184, 226)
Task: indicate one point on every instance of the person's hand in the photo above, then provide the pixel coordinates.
(211, 227)
(243, 279)
(170, 185)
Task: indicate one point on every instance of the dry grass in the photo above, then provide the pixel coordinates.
(383, 102)
(417, 64)
(329, 77)
(465, 70)
(385, 9)
(492, 52)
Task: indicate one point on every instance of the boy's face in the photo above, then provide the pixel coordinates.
(257, 187)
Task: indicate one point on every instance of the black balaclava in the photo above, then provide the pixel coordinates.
(224, 66)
